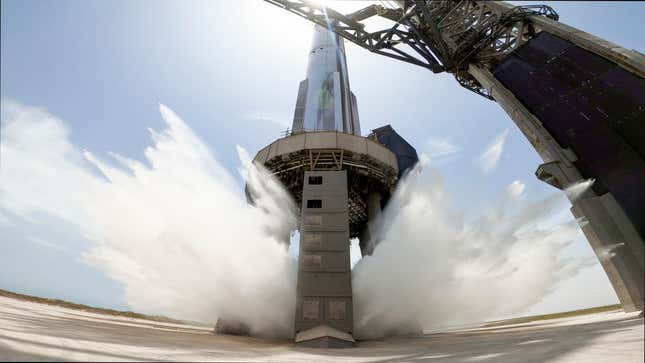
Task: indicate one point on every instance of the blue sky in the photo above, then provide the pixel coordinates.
(231, 71)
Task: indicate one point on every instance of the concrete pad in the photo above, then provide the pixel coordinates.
(324, 336)
(38, 332)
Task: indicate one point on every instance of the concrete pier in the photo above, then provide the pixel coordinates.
(324, 291)
(367, 239)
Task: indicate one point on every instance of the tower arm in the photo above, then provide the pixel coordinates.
(442, 36)
(389, 42)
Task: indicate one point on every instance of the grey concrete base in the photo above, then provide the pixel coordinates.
(324, 336)
(326, 342)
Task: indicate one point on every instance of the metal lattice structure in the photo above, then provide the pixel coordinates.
(442, 36)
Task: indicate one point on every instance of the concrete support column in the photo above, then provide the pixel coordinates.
(607, 223)
(367, 239)
(616, 245)
(324, 306)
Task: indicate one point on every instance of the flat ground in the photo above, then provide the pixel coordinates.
(36, 331)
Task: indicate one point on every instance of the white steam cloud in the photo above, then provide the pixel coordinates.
(516, 189)
(488, 160)
(178, 234)
(441, 150)
(434, 268)
(576, 190)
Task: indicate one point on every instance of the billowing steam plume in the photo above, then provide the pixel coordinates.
(434, 268)
(178, 234)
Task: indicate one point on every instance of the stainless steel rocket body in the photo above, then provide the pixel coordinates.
(325, 101)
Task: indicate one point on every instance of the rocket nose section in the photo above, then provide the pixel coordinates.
(323, 38)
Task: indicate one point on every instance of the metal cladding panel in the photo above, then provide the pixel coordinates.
(329, 241)
(299, 112)
(316, 283)
(380, 153)
(622, 171)
(326, 313)
(273, 150)
(522, 74)
(541, 52)
(627, 106)
(561, 71)
(585, 63)
(329, 261)
(329, 204)
(324, 101)
(326, 183)
(619, 78)
(261, 156)
(406, 155)
(321, 140)
(356, 122)
(351, 143)
(333, 313)
(338, 110)
(329, 221)
(291, 144)
(324, 288)
(590, 105)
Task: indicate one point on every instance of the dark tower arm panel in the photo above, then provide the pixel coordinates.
(589, 105)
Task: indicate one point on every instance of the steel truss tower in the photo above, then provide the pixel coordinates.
(578, 99)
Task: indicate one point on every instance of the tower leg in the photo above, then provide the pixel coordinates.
(324, 291)
(608, 224)
(368, 235)
(617, 246)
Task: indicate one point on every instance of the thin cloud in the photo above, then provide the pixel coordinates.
(192, 209)
(441, 149)
(280, 120)
(488, 160)
(5, 221)
(48, 244)
(516, 189)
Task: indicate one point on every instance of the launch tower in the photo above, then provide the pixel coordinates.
(578, 99)
(340, 181)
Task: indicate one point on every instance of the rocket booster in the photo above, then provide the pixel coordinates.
(325, 101)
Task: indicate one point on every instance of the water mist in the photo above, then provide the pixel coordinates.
(178, 234)
(434, 267)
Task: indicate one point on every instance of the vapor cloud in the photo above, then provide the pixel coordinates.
(434, 268)
(576, 190)
(280, 120)
(441, 150)
(178, 234)
(488, 160)
(516, 189)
